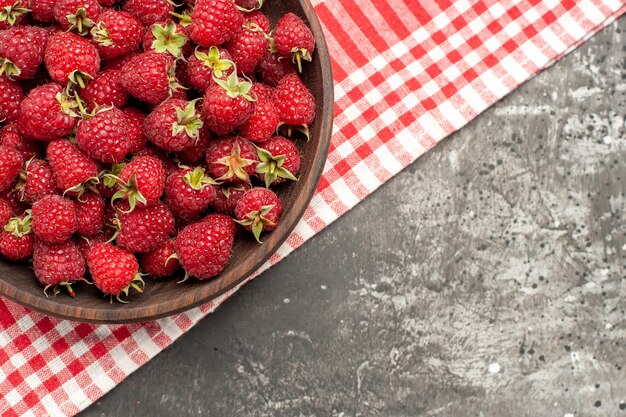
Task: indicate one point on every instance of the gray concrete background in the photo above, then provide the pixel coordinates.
(487, 279)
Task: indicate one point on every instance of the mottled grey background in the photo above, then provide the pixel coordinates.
(487, 279)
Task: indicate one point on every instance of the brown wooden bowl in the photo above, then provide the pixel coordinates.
(163, 298)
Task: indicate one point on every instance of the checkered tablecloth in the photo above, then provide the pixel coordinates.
(407, 74)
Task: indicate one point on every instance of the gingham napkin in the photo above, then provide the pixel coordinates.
(407, 74)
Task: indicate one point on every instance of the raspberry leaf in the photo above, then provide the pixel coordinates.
(188, 121)
(213, 61)
(235, 88)
(197, 179)
(80, 21)
(235, 164)
(272, 167)
(100, 34)
(8, 68)
(11, 13)
(167, 39)
(68, 105)
(110, 180)
(256, 220)
(128, 190)
(19, 227)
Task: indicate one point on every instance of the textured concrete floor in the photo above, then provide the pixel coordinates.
(488, 279)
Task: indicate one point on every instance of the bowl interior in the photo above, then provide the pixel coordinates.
(162, 298)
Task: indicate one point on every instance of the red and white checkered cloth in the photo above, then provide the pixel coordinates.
(407, 74)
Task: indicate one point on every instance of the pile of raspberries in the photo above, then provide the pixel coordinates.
(138, 136)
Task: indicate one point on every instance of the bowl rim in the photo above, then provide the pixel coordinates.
(167, 307)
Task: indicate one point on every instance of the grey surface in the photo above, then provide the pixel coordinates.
(487, 279)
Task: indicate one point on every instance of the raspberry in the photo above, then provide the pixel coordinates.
(204, 248)
(54, 219)
(258, 211)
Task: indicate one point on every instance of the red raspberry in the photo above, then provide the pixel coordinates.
(16, 240)
(10, 166)
(272, 68)
(39, 181)
(167, 37)
(105, 90)
(54, 219)
(263, 123)
(204, 248)
(149, 77)
(9, 136)
(6, 212)
(247, 47)
(197, 152)
(117, 34)
(104, 137)
(114, 270)
(11, 96)
(143, 229)
(294, 103)
(293, 39)
(205, 64)
(227, 105)
(107, 3)
(168, 165)
(280, 160)
(258, 211)
(173, 125)
(232, 159)
(73, 171)
(263, 91)
(141, 182)
(42, 10)
(70, 58)
(58, 265)
(136, 139)
(214, 22)
(90, 214)
(158, 263)
(21, 51)
(78, 15)
(47, 113)
(149, 11)
(189, 192)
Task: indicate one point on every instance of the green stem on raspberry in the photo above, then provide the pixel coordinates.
(79, 21)
(11, 13)
(8, 68)
(188, 121)
(184, 19)
(185, 278)
(257, 221)
(128, 190)
(167, 39)
(77, 77)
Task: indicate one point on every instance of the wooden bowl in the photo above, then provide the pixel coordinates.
(163, 298)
